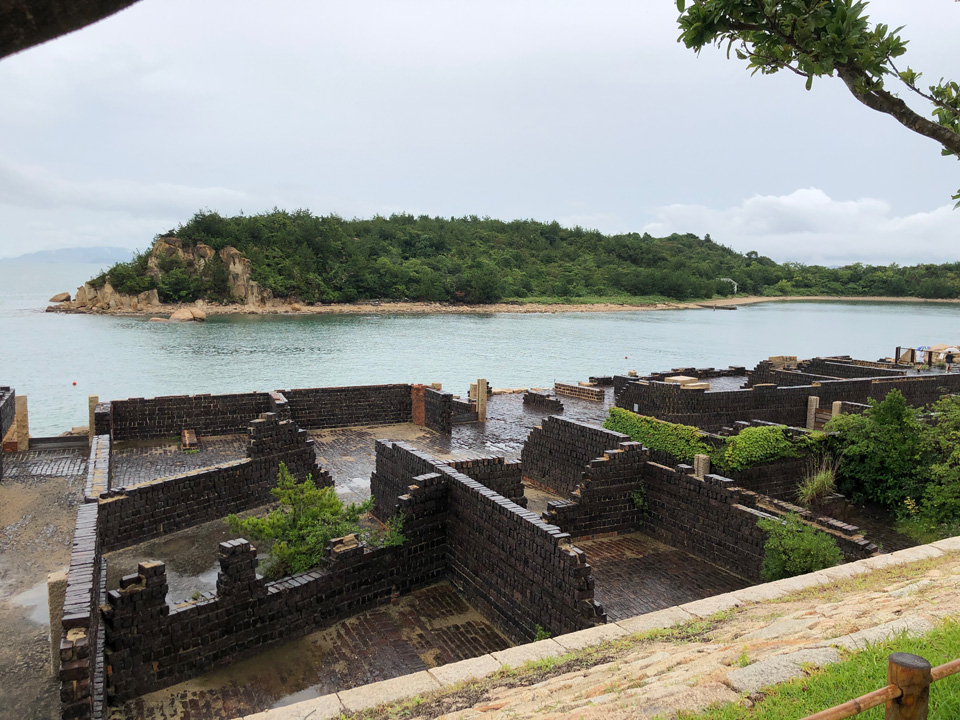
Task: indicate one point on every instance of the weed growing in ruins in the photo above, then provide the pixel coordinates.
(755, 445)
(639, 498)
(541, 634)
(795, 548)
(306, 521)
(819, 481)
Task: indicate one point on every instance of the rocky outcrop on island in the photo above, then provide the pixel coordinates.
(169, 255)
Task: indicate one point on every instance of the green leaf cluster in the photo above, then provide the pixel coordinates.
(481, 260)
(308, 518)
(795, 548)
(755, 445)
(681, 441)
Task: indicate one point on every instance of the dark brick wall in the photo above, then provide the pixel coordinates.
(103, 419)
(778, 479)
(438, 410)
(395, 467)
(839, 368)
(517, 570)
(704, 517)
(602, 503)
(130, 515)
(765, 373)
(502, 476)
(318, 408)
(143, 419)
(81, 649)
(786, 405)
(542, 401)
(150, 646)
(556, 453)
(7, 412)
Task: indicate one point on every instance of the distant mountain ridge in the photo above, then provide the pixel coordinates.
(76, 255)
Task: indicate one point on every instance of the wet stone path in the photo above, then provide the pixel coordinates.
(635, 574)
(135, 463)
(44, 463)
(430, 627)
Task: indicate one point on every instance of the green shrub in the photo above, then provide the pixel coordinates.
(794, 548)
(306, 521)
(681, 441)
(755, 445)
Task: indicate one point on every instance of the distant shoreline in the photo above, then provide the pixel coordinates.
(427, 308)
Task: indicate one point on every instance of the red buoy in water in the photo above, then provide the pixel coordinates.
(74, 382)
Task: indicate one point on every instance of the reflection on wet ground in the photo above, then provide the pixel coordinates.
(37, 601)
(427, 628)
(133, 463)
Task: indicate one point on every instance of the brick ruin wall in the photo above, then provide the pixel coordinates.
(504, 477)
(454, 527)
(148, 510)
(311, 408)
(847, 368)
(581, 392)
(556, 453)
(151, 646)
(7, 412)
(699, 373)
(602, 502)
(438, 410)
(542, 401)
(786, 405)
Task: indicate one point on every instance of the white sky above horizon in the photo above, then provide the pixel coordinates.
(586, 113)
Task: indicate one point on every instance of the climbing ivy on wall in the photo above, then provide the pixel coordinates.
(752, 446)
(681, 441)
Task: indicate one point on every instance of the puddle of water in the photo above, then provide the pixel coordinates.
(182, 586)
(36, 599)
(309, 694)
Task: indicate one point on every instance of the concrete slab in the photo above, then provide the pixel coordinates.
(779, 628)
(839, 572)
(520, 654)
(591, 636)
(709, 606)
(881, 561)
(387, 691)
(778, 669)
(948, 544)
(912, 627)
(474, 668)
(921, 552)
(659, 620)
(325, 707)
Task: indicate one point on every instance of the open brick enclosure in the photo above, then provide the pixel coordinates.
(464, 521)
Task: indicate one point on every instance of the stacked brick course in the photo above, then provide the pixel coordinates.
(542, 401)
(98, 467)
(602, 504)
(438, 410)
(150, 646)
(320, 408)
(7, 413)
(556, 453)
(581, 392)
(160, 417)
(502, 476)
(131, 515)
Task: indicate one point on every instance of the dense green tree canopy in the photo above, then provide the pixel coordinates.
(480, 260)
(813, 38)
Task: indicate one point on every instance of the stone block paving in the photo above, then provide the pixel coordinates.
(635, 574)
(430, 627)
(135, 463)
(35, 464)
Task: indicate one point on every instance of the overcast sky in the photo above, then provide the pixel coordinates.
(589, 113)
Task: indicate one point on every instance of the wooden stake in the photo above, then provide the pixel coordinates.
(911, 673)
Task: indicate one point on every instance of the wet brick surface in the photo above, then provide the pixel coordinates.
(133, 464)
(428, 628)
(636, 574)
(45, 463)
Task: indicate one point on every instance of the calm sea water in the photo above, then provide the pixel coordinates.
(42, 354)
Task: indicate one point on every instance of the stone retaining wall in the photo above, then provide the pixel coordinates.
(131, 515)
(556, 453)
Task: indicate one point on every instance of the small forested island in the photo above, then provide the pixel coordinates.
(296, 257)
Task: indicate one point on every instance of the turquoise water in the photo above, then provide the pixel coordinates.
(41, 354)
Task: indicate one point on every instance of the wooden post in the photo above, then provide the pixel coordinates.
(911, 673)
(56, 595)
(92, 401)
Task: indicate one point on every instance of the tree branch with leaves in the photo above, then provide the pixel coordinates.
(817, 38)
